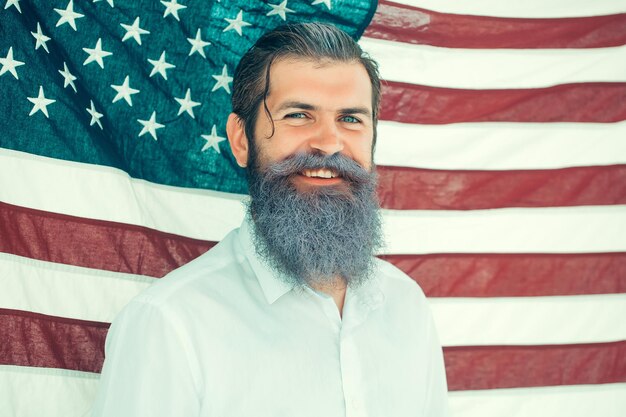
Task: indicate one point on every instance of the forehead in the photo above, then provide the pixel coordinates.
(325, 83)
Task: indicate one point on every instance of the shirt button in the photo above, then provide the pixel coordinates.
(355, 405)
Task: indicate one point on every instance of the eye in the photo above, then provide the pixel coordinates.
(295, 116)
(350, 119)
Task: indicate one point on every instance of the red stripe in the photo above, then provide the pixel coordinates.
(135, 250)
(515, 275)
(400, 23)
(93, 243)
(31, 339)
(583, 102)
(489, 367)
(403, 188)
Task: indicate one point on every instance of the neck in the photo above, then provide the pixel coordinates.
(336, 289)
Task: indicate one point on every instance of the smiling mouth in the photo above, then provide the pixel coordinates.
(319, 173)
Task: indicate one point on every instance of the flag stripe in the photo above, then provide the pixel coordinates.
(489, 367)
(31, 339)
(500, 145)
(508, 230)
(402, 23)
(586, 102)
(554, 320)
(95, 244)
(403, 188)
(43, 341)
(495, 68)
(29, 391)
(523, 9)
(512, 275)
(42, 287)
(92, 244)
(606, 400)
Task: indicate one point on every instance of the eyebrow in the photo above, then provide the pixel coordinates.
(296, 105)
(305, 106)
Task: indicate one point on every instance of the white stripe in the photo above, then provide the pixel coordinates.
(96, 192)
(500, 146)
(512, 230)
(530, 320)
(495, 68)
(32, 392)
(606, 400)
(521, 9)
(65, 290)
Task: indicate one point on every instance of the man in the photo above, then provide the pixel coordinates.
(290, 315)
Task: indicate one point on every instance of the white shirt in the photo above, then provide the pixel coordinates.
(223, 336)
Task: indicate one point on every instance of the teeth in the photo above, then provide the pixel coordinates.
(319, 173)
(324, 173)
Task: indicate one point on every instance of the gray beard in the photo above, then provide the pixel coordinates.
(316, 236)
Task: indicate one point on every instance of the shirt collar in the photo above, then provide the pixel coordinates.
(272, 285)
(369, 296)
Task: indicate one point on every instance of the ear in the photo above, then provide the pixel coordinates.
(237, 139)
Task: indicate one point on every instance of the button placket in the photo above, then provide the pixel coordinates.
(351, 376)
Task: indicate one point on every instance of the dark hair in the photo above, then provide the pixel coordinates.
(315, 41)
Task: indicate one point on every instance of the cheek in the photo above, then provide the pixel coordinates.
(276, 149)
(361, 152)
(287, 142)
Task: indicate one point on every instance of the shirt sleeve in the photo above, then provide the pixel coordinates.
(147, 370)
(436, 403)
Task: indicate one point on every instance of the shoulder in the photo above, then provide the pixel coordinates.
(209, 275)
(395, 279)
(400, 290)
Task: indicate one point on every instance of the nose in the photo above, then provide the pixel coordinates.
(327, 138)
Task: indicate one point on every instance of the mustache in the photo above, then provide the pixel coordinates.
(343, 166)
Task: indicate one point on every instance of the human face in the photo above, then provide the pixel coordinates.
(316, 107)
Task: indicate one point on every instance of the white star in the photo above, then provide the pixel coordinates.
(9, 64)
(68, 78)
(41, 38)
(133, 31)
(160, 66)
(108, 1)
(95, 116)
(172, 7)
(186, 104)
(326, 2)
(280, 9)
(150, 126)
(197, 44)
(96, 54)
(222, 80)
(15, 3)
(40, 103)
(124, 91)
(212, 140)
(236, 24)
(68, 15)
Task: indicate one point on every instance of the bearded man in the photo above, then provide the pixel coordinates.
(291, 314)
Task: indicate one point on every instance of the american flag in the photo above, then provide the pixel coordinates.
(502, 160)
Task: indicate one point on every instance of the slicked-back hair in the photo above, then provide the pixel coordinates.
(310, 41)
